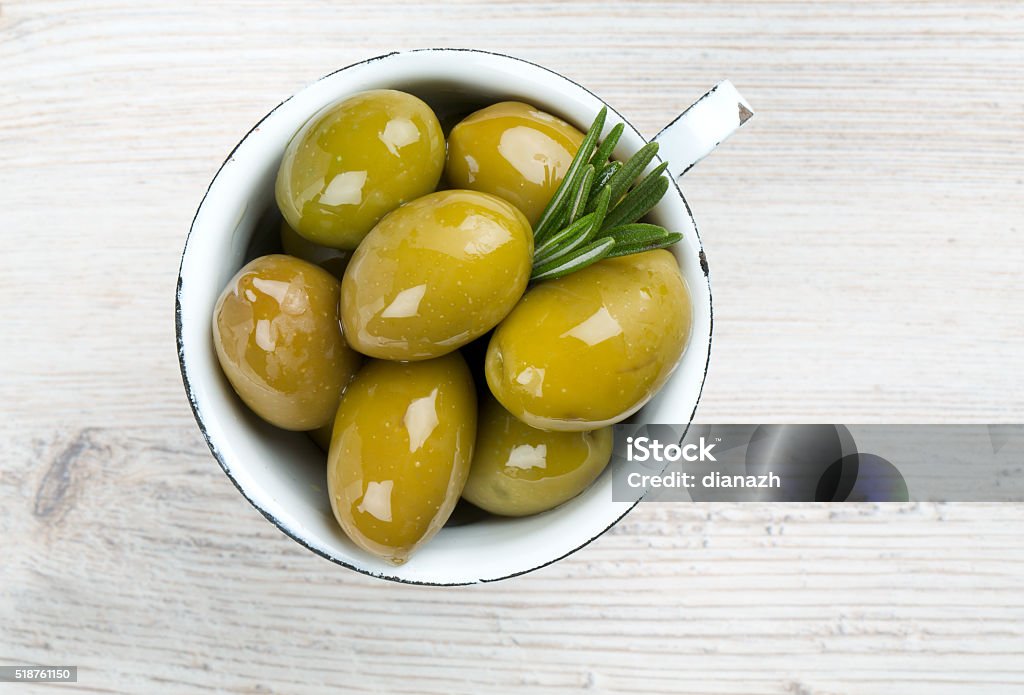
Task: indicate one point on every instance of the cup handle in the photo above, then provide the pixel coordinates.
(701, 128)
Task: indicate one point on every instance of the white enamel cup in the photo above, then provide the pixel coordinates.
(282, 473)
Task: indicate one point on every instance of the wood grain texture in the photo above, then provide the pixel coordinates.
(863, 233)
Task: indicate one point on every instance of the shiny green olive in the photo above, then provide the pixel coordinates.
(589, 349)
(400, 452)
(519, 470)
(435, 274)
(355, 161)
(278, 338)
(513, 151)
(334, 261)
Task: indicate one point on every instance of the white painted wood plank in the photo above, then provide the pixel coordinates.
(864, 237)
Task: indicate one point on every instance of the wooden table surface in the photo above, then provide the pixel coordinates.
(864, 236)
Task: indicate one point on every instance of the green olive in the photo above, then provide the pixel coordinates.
(278, 338)
(589, 349)
(435, 274)
(519, 470)
(400, 452)
(355, 161)
(514, 151)
(333, 261)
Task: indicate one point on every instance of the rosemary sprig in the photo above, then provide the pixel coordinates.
(595, 212)
(571, 181)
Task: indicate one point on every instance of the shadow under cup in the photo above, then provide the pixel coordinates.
(283, 473)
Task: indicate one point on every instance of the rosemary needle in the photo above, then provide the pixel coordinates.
(587, 256)
(600, 157)
(580, 200)
(639, 201)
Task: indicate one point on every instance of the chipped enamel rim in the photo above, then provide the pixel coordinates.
(255, 456)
